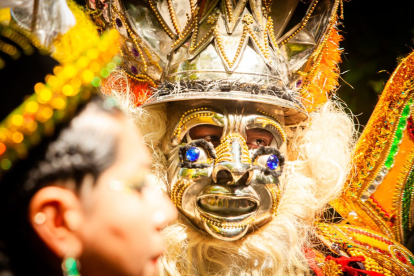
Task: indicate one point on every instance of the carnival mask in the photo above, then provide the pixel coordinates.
(224, 168)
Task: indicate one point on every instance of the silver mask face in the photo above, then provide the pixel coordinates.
(223, 167)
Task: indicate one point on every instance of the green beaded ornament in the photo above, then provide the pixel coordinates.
(70, 267)
(402, 123)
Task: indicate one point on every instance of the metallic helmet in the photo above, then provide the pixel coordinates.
(247, 48)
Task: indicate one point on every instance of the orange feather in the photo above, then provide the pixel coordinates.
(322, 79)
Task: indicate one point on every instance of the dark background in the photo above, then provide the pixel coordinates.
(377, 34)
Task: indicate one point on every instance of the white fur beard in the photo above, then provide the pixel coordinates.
(274, 249)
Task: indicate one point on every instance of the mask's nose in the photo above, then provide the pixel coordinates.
(224, 174)
(233, 163)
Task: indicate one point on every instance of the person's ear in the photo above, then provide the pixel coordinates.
(56, 214)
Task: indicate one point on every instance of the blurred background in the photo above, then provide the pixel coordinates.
(377, 34)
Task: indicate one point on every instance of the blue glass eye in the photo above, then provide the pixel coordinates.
(272, 162)
(192, 154)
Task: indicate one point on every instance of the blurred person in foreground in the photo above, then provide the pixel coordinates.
(85, 197)
(74, 197)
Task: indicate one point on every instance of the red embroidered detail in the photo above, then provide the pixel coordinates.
(310, 257)
(392, 220)
(379, 207)
(410, 127)
(371, 235)
(344, 262)
(401, 257)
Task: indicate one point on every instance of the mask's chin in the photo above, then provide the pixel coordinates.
(226, 234)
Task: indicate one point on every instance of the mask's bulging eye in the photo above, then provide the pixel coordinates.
(269, 161)
(192, 154)
(198, 154)
(272, 162)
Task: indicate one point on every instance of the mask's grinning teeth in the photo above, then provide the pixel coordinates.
(228, 225)
(227, 202)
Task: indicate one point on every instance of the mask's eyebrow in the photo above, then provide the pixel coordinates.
(269, 119)
(264, 122)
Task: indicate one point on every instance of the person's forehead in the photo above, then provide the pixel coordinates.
(132, 151)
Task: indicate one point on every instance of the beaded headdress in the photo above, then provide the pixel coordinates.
(57, 99)
(240, 50)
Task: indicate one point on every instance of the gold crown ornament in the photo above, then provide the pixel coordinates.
(228, 49)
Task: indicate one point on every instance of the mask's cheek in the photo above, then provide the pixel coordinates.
(268, 192)
(189, 185)
(262, 179)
